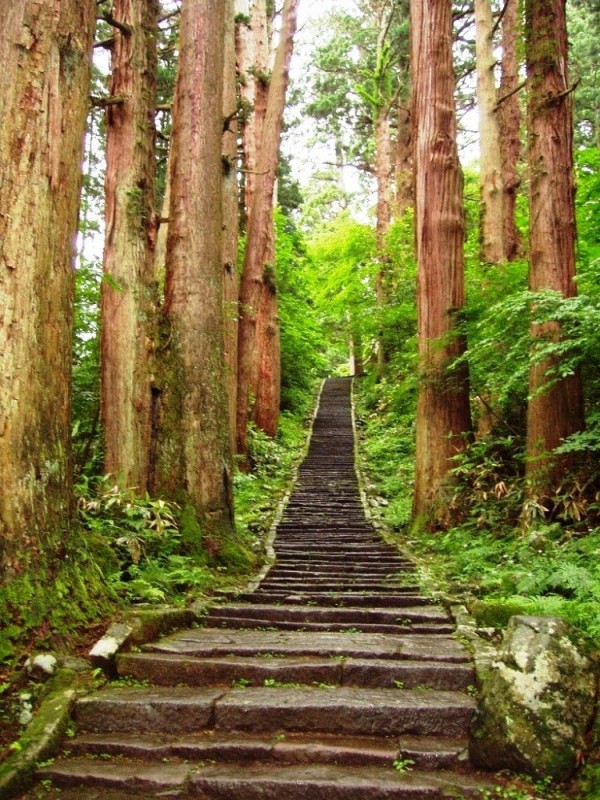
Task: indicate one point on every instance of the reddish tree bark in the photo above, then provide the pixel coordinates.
(509, 123)
(44, 86)
(129, 297)
(490, 162)
(384, 168)
(253, 65)
(404, 163)
(258, 377)
(443, 414)
(193, 453)
(230, 216)
(555, 409)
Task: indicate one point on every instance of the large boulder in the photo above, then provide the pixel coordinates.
(537, 701)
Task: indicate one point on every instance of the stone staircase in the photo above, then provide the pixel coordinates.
(334, 680)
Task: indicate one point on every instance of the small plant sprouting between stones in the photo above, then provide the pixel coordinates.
(403, 765)
(241, 683)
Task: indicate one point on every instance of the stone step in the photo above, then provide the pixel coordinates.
(299, 556)
(167, 669)
(126, 778)
(364, 570)
(211, 642)
(400, 596)
(357, 585)
(425, 752)
(343, 711)
(261, 623)
(314, 613)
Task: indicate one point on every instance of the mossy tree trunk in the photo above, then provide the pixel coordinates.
(509, 123)
(129, 301)
(404, 162)
(252, 47)
(44, 86)
(384, 169)
(230, 216)
(259, 375)
(193, 454)
(443, 414)
(555, 408)
(491, 188)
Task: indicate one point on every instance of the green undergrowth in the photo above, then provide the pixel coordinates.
(129, 551)
(506, 552)
(259, 492)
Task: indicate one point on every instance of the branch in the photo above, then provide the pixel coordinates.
(126, 30)
(500, 18)
(105, 43)
(360, 167)
(103, 102)
(509, 94)
(169, 16)
(500, 419)
(566, 92)
(164, 106)
(229, 118)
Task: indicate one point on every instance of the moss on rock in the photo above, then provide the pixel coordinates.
(537, 701)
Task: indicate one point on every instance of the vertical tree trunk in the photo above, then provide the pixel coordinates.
(509, 122)
(193, 453)
(404, 163)
(230, 216)
(258, 331)
(443, 414)
(555, 411)
(44, 85)
(129, 294)
(490, 173)
(253, 65)
(384, 168)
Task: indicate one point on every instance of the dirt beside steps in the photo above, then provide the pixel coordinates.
(335, 680)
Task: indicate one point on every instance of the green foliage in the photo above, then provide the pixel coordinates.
(343, 252)
(258, 493)
(160, 551)
(303, 360)
(403, 765)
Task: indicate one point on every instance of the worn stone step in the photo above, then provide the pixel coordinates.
(425, 752)
(210, 642)
(260, 623)
(399, 596)
(167, 669)
(299, 556)
(314, 613)
(254, 782)
(347, 711)
(211, 746)
(353, 570)
(355, 585)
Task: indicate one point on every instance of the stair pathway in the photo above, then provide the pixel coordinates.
(334, 680)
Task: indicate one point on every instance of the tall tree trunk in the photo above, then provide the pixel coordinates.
(443, 414)
(44, 86)
(193, 454)
(230, 216)
(404, 163)
(509, 122)
(384, 168)
(253, 65)
(490, 162)
(129, 289)
(258, 331)
(555, 409)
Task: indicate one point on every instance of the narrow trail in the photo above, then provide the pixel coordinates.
(309, 688)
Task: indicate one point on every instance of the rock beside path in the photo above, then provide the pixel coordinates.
(537, 702)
